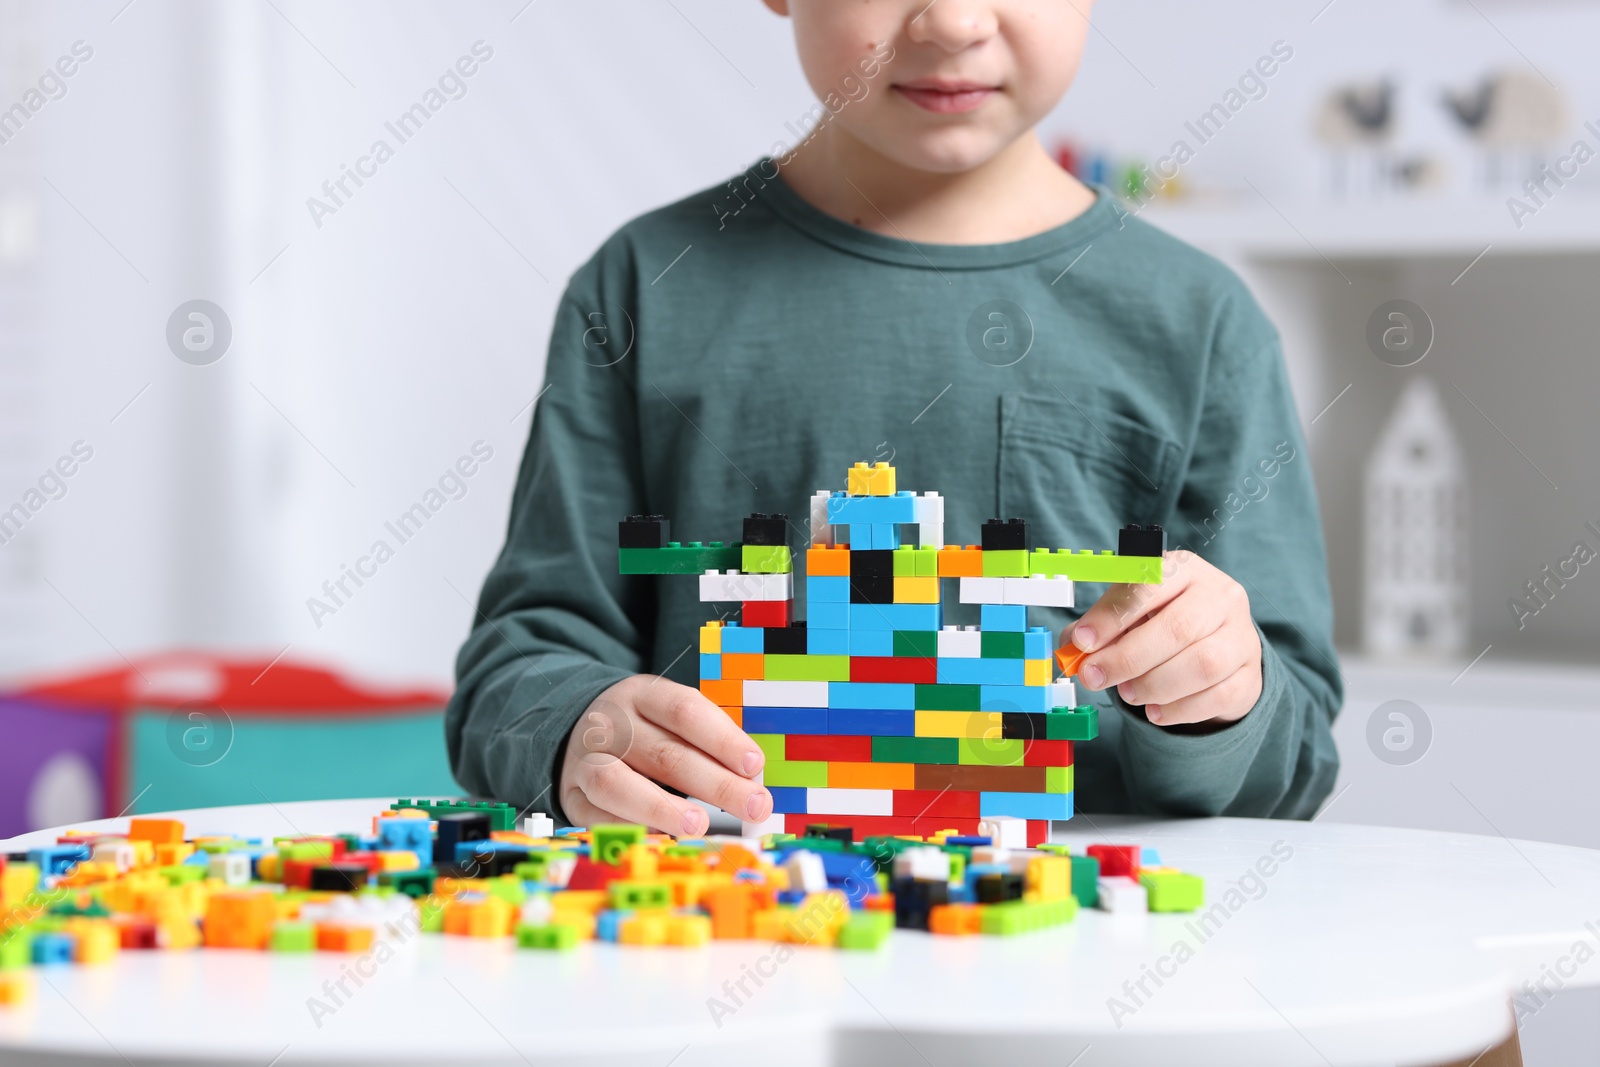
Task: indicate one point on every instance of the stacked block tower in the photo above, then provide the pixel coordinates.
(873, 714)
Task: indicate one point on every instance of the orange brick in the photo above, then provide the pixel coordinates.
(1070, 657)
(871, 776)
(828, 561)
(726, 692)
(156, 831)
(955, 919)
(688, 930)
(16, 987)
(961, 562)
(737, 715)
(749, 666)
(331, 937)
(239, 920)
(488, 917)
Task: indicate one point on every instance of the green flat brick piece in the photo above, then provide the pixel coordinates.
(937, 697)
(1086, 880)
(501, 816)
(415, 884)
(1002, 645)
(808, 774)
(16, 950)
(509, 889)
(555, 937)
(923, 643)
(680, 558)
(771, 746)
(1073, 724)
(430, 915)
(1087, 566)
(182, 873)
(631, 895)
(308, 850)
(990, 751)
(609, 842)
(806, 668)
(1173, 890)
(865, 930)
(1022, 917)
(1058, 779)
(942, 750)
(1009, 563)
(766, 559)
(926, 561)
(293, 937)
(905, 563)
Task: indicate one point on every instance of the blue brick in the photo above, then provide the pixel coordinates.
(1026, 805)
(406, 835)
(52, 948)
(825, 616)
(710, 666)
(1009, 617)
(979, 672)
(608, 924)
(1014, 697)
(871, 642)
(820, 642)
(896, 695)
(872, 722)
(57, 859)
(896, 617)
(971, 842)
(786, 720)
(843, 509)
(788, 799)
(885, 535)
(827, 589)
(1036, 643)
(736, 638)
(1149, 857)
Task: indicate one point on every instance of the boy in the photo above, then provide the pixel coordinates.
(917, 279)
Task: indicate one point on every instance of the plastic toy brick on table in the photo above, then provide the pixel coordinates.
(872, 711)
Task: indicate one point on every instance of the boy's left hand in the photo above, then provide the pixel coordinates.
(1186, 649)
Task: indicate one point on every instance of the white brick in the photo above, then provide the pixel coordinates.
(986, 854)
(806, 872)
(1038, 591)
(923, 864)
(821, 529)
(960, 644)
(539, 825)
(930, 535)
(752, 832)
(1063, 694)
(1123, 895)
(983, 590)
(786, 694)
(732, 586)
(1006, 831)
(849, 802)
(230, 867)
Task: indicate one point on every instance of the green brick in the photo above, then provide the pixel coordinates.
(905, 563)
(293, 937)
(990, 751)
(766, 559)
(1072, 724)
(945, 750)
(629, 895)
(16, 950)
(1002, 645)
(1089, 566)
(1173, 890)
(781, 668)
(1023, 917)
(1086, 880)
(415, 884)
(771, 745)
(865, 930)
(934, 697)
(508, 888)
(183, 873)
(1058, 779)
(430, 915)
(1010, 563)
(926, 561)
(555, 937)
(609, 842)
(501, 816)
(923, 643)
(308, 850)
(808, 774)
(680, 558)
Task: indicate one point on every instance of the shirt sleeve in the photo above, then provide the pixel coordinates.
(556, 624)
(1249, 507)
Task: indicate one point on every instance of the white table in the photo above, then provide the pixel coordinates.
(1364, 946)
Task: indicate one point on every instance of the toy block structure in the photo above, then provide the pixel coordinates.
(874, 714)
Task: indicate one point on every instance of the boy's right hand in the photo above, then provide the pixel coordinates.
(645, 730)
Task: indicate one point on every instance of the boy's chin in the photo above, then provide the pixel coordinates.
(947, 151)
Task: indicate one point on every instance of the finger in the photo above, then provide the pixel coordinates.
(1177, 625)
(1195, 668)
(615, 786)
(1122, 607)
(579, 810)
(688, 714)
(1228, 700)
(669, 759)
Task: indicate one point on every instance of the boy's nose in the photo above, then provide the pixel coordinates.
(953, 25)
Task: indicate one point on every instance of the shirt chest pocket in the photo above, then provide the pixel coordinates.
(1078, 471)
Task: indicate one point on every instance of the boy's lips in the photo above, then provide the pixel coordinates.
(945, 97)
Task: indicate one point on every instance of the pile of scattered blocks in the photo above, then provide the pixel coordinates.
(872, 712)
(464, 868)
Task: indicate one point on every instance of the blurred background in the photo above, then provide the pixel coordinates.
(221, 376)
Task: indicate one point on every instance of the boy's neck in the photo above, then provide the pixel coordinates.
(1017, 194)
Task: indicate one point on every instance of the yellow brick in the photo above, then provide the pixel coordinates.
(646, 928)
(877, 480)
(97, 940)
(688, 930)
(976, 725)
(1050, 877)
(711, 637)
(16, 883)
(1036, 672)
(399, 861)
(16, 987)
(917, 591)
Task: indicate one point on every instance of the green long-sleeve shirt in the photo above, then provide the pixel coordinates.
(737, 351)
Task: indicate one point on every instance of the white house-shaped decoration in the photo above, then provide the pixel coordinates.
(1416, 544)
